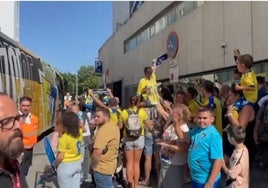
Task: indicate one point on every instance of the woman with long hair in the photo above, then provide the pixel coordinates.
(174, 150)
(68, 160)
(133, 144)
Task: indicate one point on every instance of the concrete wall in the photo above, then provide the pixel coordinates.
(9, 19)
(237, 24)
(120, 13)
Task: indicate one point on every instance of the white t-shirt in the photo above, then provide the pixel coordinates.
(170, 136)
(86, 124)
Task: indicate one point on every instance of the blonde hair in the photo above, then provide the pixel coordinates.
(184, 112)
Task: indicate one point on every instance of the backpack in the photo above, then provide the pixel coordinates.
(133, 126)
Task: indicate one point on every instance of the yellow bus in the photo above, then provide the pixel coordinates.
(23, 74)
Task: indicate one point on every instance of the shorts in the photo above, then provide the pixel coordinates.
(201, 185)
(156, 148)
(131, 143)
(148, 147)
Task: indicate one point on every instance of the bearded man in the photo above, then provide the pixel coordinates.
(11, 145)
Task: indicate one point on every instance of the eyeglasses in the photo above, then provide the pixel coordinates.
(8, 123)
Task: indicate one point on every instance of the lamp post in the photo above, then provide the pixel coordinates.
(76, 85)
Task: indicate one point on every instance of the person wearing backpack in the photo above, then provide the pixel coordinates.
(134, 120)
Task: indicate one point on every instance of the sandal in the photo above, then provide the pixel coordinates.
(144, 183)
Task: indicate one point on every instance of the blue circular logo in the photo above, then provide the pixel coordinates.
(172, 44)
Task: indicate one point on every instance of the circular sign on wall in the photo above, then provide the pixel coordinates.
(172, 44)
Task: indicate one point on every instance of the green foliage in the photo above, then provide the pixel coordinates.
(87, 78)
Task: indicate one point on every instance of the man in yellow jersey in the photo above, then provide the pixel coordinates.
(105, 148)
(248, 83)
(193, 103)
(212, 102)
(148, 97)
(147, 88)
(29, 129)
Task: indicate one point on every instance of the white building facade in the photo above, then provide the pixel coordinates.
(9, 19)
(208, 32)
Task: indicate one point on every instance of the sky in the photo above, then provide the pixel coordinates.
(66, 35)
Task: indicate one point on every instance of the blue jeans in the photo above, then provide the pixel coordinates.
(103, 181)
(68, 174)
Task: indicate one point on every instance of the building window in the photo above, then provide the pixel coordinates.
(134, 6)
(145, 35)
(171, 17)
(180, 10)
(159, 25)
(152, 31)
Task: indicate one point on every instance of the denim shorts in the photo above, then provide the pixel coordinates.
(148, 147)
(131, 143)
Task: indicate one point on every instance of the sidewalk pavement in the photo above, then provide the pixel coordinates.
(40, 161)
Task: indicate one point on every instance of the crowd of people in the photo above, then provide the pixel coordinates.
(191, 135)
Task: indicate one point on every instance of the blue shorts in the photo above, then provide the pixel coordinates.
(131, 143)
(148, 147)
(201, 185)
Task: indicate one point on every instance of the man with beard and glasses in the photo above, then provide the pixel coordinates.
(29, 129)
(11, 145)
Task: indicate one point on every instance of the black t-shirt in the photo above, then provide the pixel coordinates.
(8, 177)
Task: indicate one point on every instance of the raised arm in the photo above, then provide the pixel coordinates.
(110, 93)
(96, 99)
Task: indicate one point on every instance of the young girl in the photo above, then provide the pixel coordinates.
(68, 160)
(238, 170)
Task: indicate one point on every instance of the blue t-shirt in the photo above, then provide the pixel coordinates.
(206, 146)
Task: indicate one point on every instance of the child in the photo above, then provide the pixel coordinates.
(248, 83)
(238, 170)
(205, 153)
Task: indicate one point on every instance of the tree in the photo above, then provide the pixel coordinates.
(87, 78)
(70, 80)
